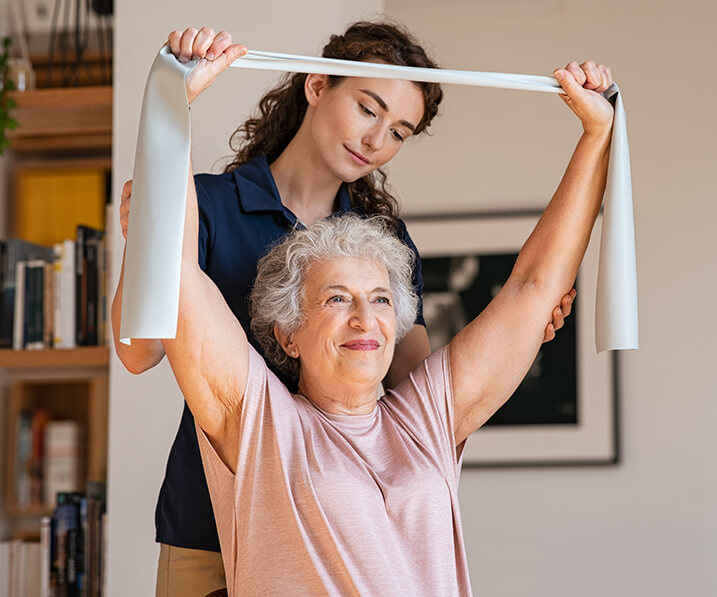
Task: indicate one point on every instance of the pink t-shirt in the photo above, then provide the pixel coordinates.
(326, 504)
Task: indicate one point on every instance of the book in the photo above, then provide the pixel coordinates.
(5, 569)
(13, 251)
(64, 456)
(40, 419)
(23, 460)
(48, 304)
(67, 561)
(64, 295)
(18, 331)
(45, 556)
(33, 323)
(95, 509)
(19, 564)
(87, 284)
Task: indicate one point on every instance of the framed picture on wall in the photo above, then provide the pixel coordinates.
(565, 410)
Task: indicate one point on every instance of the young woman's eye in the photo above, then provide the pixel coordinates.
(367, 111)
(398, 136)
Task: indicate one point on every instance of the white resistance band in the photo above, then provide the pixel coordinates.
(150, 301)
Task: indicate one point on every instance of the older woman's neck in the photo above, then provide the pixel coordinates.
(306, 187)
(347, 399)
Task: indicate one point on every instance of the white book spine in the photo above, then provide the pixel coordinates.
(63, 459)
(19, 311)
(65, 295)
(5, 569)
(45, 541)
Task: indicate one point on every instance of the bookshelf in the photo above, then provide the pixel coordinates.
(65, 129)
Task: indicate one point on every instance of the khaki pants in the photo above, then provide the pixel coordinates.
(188, 572)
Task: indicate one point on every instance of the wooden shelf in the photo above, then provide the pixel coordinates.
(14, 510)
(64, 119)
(85, 356)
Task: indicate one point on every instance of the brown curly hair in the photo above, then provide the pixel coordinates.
(281, 110)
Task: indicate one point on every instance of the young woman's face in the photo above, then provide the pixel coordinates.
(359, 124)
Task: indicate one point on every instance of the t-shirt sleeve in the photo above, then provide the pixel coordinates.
(204, 202)
(423, 405)
(417, 272)
(268, 411)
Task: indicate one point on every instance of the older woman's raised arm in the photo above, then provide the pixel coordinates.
(491, 355)
(210, 354)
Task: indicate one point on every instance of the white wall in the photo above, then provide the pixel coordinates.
(145, 410)
(645, 527)
(649, 525)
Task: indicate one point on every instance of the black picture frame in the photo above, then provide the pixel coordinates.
(571, 416)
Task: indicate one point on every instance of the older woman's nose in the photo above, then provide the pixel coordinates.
(362, 314)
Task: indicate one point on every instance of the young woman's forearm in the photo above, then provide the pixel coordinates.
(141, 355)
(550, 258)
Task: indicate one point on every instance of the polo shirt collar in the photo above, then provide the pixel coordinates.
(258, 191)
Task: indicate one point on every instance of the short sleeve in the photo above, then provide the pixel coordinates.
(423, 405)
(417, 272)
(204, 202)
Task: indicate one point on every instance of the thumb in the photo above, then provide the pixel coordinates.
(567, 82)
(232, 53)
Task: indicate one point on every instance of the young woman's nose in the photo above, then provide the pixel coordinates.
(373, 138)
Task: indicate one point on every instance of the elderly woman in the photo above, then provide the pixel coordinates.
(333, 490)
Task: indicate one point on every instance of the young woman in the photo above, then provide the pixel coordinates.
(314, 149)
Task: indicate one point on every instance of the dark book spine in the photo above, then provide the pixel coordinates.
(92, 244)
(4, 330)
(8, 296)
(15, 250)
(80, 289)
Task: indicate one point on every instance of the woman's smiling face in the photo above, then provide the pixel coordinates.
(348, 334)
(359, 124)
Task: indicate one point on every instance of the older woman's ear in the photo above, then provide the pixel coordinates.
(286, 343)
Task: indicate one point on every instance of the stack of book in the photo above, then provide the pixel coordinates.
(49, 456)
(68, 561)
(54, 297)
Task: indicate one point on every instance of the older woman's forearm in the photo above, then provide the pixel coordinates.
(550, 258)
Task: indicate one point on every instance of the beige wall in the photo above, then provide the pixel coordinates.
(145, 410)
(649, 525)
(645, 527)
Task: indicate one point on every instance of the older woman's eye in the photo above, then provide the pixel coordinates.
(383, 300)
(336, 299)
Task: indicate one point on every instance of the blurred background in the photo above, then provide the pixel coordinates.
(646, 525)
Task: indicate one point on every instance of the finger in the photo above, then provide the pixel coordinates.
(606, 78)
(578, 73)
(204, 39)
(186, 44)
(127, 190)
(558, 318)
(174, 40)
(593, 77)
(566, 305)
(221, 42)
(549, 333)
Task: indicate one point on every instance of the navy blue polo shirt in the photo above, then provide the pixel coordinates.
(240, 217)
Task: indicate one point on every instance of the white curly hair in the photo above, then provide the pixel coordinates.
(279, 288)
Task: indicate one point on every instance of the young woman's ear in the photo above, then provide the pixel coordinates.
(286, 343)
(314, 86)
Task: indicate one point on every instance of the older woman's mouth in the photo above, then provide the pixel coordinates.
(361, 345)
